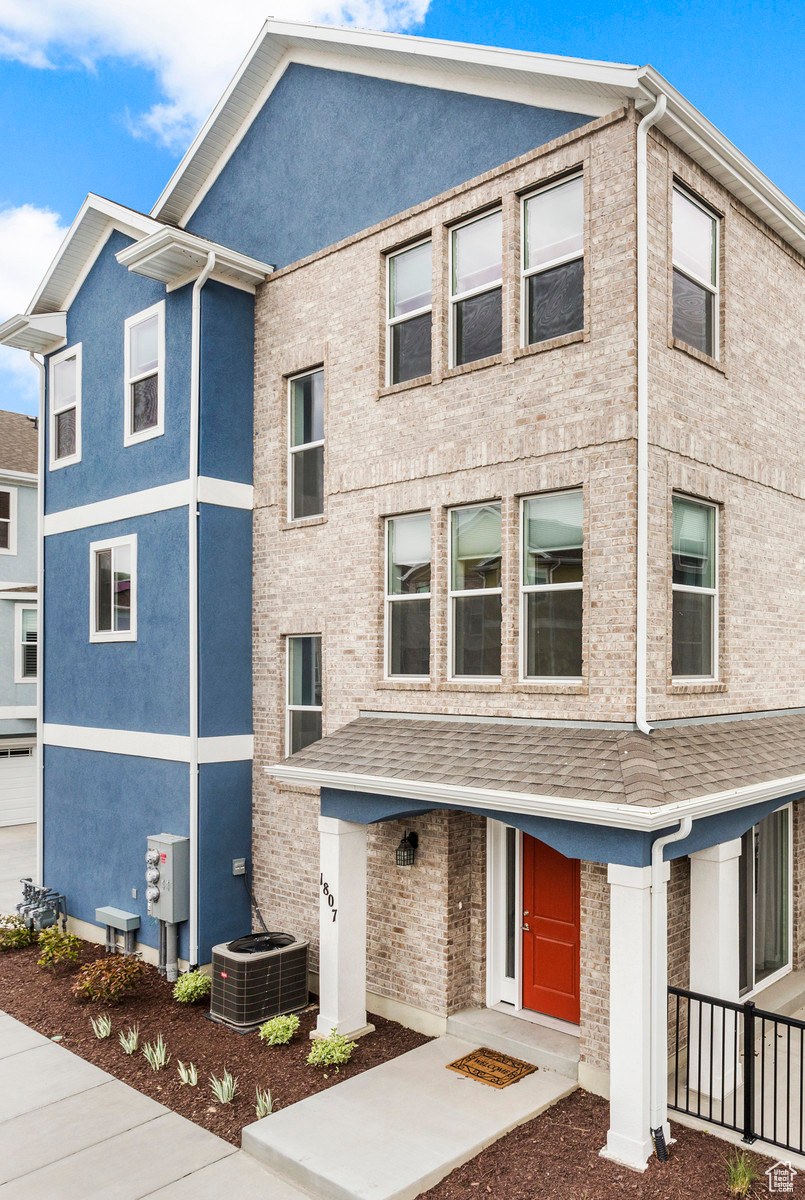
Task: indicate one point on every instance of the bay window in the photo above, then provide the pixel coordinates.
(303, 711)
(408, 324)
(306, 445)
(113, 590)
(694, 589)
(476, 274)
(475, 590)
(552, 586)
(695, 267)
(553, 261)
(408, 575)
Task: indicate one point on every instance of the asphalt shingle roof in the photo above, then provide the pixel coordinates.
(18, 442)
(619, 767)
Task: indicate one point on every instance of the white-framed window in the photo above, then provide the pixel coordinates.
(408, 312)
(552, 288)
(408, 583)
(306, 445)
(8, 520)
(552, 586)
(17, 752)
(25, 643)
(694, 584)
(64, 434)
(113, 590)
(695, 269)
(765, 902)
(476, 288)
(475, 594)
(144, 375)
(303, 708)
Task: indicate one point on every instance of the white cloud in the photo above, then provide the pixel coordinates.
(193, 46)
(29, 239)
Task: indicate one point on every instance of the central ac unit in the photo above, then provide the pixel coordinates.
(257, 977)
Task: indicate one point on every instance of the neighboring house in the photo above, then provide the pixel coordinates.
(449, 401)
(18, 623)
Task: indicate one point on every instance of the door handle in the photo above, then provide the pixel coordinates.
(526, 928)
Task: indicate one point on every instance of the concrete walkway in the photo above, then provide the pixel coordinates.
(17, 858)
(69, 1131)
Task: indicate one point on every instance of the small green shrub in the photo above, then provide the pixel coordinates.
(107, 980)
(191, 988)
(130, 1040)
(156, 1054)
(14, 935)
(56, 946)
(742, 1173)
(263, 1105)
(279, 1030)
(331, 1051)
(224, 1089)
(102, 1027)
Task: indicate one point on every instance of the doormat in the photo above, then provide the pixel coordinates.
(491, 1067)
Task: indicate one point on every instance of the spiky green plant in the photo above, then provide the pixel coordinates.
(130, 1040)
(224, 1089)
(188, 1074)
(156, 1054)
(101, 1026)
(263, 1102)
(742, 1172)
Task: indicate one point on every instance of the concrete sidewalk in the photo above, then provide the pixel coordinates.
(17, 858)
(69, 1131)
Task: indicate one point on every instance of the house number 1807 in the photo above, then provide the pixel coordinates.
(330, 898)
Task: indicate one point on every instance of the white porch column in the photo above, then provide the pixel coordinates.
(714, 963)
(629, 1138)
(342, 929)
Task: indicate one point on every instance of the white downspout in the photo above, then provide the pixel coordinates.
(40, 627)
(642, 413)
(659, 985)
(192, 556)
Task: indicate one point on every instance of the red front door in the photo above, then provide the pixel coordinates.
(551, 896)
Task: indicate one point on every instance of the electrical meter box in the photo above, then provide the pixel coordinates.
(167, 877)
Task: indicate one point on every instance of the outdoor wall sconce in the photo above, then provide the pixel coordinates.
(406, 851)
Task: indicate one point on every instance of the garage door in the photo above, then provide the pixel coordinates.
(17, 785)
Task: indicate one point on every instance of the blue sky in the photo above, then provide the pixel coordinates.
(104, 97)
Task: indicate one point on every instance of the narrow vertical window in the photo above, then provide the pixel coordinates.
(476, 274)
(113, 568)
(306, 450)
(695, 262)
(304, 692)
(764, 918)
(8, 520)
(408, 595)
(65, 407)
(695, 589)
(409, 313)
(145, 375)
(552, 586)
(475, 590)
(25, 656)
(553, 261)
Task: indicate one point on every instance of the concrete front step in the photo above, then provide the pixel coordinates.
(551, 1049)
(397, 1129)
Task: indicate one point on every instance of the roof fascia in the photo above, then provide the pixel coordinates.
(39, 334)
(175, 257)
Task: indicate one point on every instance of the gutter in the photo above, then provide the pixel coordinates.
(641, 652)
(192, 557)
(40, 628)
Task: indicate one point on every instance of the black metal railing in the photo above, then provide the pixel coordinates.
(738, 1066)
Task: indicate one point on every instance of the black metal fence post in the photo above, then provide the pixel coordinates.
(749, 1072)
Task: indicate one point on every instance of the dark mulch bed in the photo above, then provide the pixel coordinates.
(555, 1156)
(45, 1003)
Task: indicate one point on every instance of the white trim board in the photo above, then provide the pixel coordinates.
(19, 712)
(159, 499)
(167, 746)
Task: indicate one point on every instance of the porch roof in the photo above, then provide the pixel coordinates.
(613, 775)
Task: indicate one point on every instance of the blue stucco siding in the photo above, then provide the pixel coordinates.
(227, 383)
(333, 152)
(138, 685)
(109, 295)
(99, 810)
(574, 839)
(225, 621)
(225, 832)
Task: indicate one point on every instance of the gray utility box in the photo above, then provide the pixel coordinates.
(167, 876)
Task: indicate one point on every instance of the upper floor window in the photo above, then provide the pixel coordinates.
(304, 692)
(475, 590)
(113, 590)
(476, 274)
(695, 262)
(695, 589)
(8, 520)
(65, 407)
(25, 643)
(306, 445)
(408, 325)
(144, 375)
(408, 595)
(553, 261)
(552, 583)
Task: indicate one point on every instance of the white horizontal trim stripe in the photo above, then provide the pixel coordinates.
(588, 812)
(151, 500)
(170, 747)
(17, 712)
(225, 492)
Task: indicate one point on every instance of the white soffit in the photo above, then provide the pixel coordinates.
(37, 334)
(175, 257)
